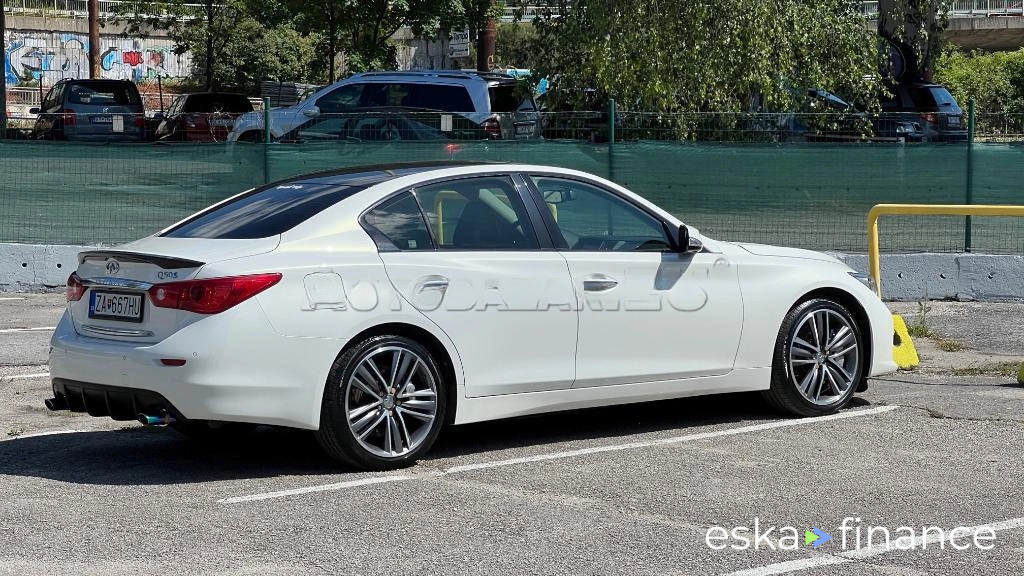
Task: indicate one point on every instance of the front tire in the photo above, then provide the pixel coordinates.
(384, 404)
(818, 362)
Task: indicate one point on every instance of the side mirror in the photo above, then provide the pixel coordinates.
(686, 244)
(311, 112)
(33, 110)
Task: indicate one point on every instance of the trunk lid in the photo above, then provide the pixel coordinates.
(116, 304)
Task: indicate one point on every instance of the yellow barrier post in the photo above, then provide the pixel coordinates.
(905, 353)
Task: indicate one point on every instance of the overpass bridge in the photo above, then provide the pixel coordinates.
(993, 25)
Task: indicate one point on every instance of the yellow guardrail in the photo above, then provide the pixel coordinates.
(924, 210)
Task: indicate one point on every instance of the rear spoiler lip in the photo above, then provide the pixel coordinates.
(165, 262)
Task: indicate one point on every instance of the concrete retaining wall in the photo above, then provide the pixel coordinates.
(27, 267)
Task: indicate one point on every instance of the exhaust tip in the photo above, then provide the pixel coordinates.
(56, 403)
(149, 420)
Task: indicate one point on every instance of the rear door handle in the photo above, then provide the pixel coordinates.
(432, 283)
(599, 284)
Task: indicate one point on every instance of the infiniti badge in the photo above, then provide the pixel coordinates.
(113, 266)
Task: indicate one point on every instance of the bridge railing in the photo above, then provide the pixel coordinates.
(70, 8)
(966, 8)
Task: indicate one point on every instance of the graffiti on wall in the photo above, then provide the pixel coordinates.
(51, 56)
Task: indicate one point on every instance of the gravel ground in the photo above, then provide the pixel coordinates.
(937, 446)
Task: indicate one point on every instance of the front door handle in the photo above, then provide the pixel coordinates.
(599, 284)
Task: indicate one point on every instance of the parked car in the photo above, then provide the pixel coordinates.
(930, 106)
(369, 126)
(375, 305)
(825, 117)
(491, 105)
(91, 110)
(202, 117)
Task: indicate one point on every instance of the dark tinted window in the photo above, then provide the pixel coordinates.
(399, 225)
(342, 99)
(922, 98)
(217, 103)
(265, 212)
(103, 94)
(509, 98)
(428, 96)
(477, 214)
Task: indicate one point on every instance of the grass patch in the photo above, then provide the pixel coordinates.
(15, 431)
(918, 330)
(994, 369)
(949, 345)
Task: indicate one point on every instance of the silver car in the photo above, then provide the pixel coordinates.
(483, 105)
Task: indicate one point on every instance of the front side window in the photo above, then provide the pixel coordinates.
(341, 99)
(398, 225)
(483, 213)
(593, 219)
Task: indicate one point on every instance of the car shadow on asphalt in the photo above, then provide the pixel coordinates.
(158, 456)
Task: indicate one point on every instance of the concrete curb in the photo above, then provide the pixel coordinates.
(27, 267)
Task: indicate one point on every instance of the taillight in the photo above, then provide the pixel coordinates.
(75, 289)
(69, 118)
(140, 121)
(492, 128)
(210, 296)
(930, 117)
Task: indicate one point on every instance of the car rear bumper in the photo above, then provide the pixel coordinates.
(236, 370)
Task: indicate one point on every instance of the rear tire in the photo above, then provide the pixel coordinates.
(819, 360)
(384, 404)
(251, 136)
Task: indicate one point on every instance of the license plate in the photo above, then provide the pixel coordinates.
(116, 306)
(524, 129)
(954, 120)
(222, 122)
(101, 119)
(118, 123)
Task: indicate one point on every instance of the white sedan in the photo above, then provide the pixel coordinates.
(375, 305)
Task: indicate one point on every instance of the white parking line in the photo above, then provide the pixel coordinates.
(571, 453)
(36, 329)
(308, 489)
(25, 376)
(862, 553)
(12, 298)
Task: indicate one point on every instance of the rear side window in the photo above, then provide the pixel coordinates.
(942, 96)
(103, 94)
(264, 212)
(482, 213)
(399, 225)
(510, 98)
(449, 98)
(923, 99)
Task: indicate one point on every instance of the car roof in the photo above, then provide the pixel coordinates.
(428, 75)
(372, 174)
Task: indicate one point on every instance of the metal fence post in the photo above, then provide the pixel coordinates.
(611, 139)
(266, 140)
(970, 172)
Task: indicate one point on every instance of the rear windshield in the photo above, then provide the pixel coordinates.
(509, 98)
(265, 212)
(104, 94)
(217, 103)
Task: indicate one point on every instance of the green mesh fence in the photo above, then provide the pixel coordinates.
(805, 195)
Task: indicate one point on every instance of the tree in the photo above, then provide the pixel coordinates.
(716, 55)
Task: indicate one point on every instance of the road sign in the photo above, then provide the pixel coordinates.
(458, 44)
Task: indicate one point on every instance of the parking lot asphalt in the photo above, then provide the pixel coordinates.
(622, 490)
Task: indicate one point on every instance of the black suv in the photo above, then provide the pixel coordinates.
(931, 107)
(91, 110)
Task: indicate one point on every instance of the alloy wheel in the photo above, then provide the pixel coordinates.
(823, 356)
(391, 401)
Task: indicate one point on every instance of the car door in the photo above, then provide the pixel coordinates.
(478, 270)
(646, 313)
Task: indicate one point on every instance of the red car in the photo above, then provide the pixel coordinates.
(202, 117)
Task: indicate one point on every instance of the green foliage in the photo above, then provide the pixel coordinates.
(721, 55)
(994, 80)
